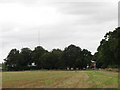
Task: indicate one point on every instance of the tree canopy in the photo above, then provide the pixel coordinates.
(72, 57)
(108, 52)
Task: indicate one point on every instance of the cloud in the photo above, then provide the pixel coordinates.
(81, 7)
(90, 12)
(56, 23)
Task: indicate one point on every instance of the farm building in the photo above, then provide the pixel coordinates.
(92, 65)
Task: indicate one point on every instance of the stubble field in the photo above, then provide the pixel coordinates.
(60, 79)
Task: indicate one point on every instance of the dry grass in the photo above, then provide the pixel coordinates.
(60, 79)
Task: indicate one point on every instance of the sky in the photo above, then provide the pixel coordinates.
(55, 23)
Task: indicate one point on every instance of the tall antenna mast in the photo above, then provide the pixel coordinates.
(39, 37)
(21, 45)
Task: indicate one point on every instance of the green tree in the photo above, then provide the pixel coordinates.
(109, 50)
(57, 58)
(36, 56)
(71, 53)
(46, 62)
(24, 58)
(11, 60)
(87, 57)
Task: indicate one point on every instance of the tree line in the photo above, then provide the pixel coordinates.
(72, 57)
(107, 55)
(108, 52)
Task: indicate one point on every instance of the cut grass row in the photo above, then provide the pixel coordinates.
(103, 79)
(60, 79)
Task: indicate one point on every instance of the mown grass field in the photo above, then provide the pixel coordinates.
(60, 79)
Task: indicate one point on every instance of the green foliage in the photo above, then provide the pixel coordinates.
(72, 57)
(108, 53)
(71, 53)
(76, 57)
(4, 68)
(36, 56)
(12, 59)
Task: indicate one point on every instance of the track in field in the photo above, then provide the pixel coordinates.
(60, 79)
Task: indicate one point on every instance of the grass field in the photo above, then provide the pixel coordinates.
(60, 79)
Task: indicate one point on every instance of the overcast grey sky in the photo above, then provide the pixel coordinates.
(60, 23)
